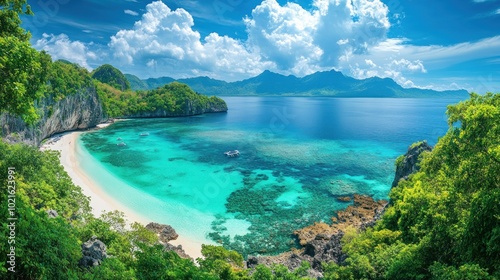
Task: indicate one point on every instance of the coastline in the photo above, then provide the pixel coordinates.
(100, 201)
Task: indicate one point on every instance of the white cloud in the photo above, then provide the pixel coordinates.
(370, 63)
(348, 35)
(130, 12)
(61, 47)
(404, 64)
(284, 35)
(167, 37)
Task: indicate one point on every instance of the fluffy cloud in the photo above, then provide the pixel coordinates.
(348, 35)
(284, 35)
(61, 47)
(165, 38)
(301, 41)
(347, 28)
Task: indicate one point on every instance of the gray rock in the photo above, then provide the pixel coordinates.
(410, 161)
(178, 249)
(80, 110)
(52, 213)
(94, 252)
(165, 233)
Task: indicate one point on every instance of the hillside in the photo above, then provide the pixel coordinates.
(110, 75)
(327, 83)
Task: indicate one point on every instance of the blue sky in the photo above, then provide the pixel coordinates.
(430, 44)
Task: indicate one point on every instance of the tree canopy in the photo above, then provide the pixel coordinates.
(23, 70)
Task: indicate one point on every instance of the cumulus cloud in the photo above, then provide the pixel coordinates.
(167, 37)
(303, 41)
(284, 35)
(61, 47)
(348, 35)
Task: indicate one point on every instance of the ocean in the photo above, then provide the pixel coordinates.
(297, 156)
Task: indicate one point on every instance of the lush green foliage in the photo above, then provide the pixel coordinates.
(110, 75)
(10, 23)
(445, 220)
(174, 99)
(66, 78)
(23, 70)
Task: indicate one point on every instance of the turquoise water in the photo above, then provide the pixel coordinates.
(297, 156)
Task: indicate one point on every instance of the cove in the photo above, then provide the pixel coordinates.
(297, 156)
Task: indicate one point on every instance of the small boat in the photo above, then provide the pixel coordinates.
(234, 153)
(119, 139)
(121, 144)
(144, 134)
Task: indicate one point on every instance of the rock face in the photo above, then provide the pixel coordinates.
(165, 233)
(321, 242)
(409, 162)
(178, 249)
(81, 110)
(94, 252)
(189, 109)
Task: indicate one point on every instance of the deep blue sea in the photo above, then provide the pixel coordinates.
(298, 155)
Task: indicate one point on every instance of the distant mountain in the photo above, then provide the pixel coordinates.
(152, 83)
(326, 83)
(136, 83)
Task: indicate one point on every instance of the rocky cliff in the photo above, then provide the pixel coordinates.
(80, 110)
(409, 163)
(189, 108)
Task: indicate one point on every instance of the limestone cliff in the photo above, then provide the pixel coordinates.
(189, 108)
(80, 110)
(409, 163)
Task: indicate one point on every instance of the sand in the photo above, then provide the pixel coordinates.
(100, 201)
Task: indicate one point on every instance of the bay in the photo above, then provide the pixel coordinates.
(297, 155)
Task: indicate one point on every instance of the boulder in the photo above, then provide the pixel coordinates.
(52, 213)
(165, 233)
(94, 252)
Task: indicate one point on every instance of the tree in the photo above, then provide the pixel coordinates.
(10, 23)
(23, 70)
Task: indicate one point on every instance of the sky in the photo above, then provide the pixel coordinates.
(446, 44)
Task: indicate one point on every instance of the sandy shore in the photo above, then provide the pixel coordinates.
(99, 200)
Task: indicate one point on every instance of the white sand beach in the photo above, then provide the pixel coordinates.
(99, 200)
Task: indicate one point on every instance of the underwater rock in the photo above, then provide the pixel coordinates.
(344, 198)
(321, 242)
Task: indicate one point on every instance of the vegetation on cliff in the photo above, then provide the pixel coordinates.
(444, 222)
(174, 99)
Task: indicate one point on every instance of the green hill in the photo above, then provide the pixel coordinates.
(110, 75)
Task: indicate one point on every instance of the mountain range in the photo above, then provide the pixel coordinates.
(326, 83)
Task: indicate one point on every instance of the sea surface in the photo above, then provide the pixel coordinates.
(298, 155)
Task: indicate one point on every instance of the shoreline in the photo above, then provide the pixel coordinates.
(99, 200)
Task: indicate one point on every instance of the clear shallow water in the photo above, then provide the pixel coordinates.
(297, 155)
